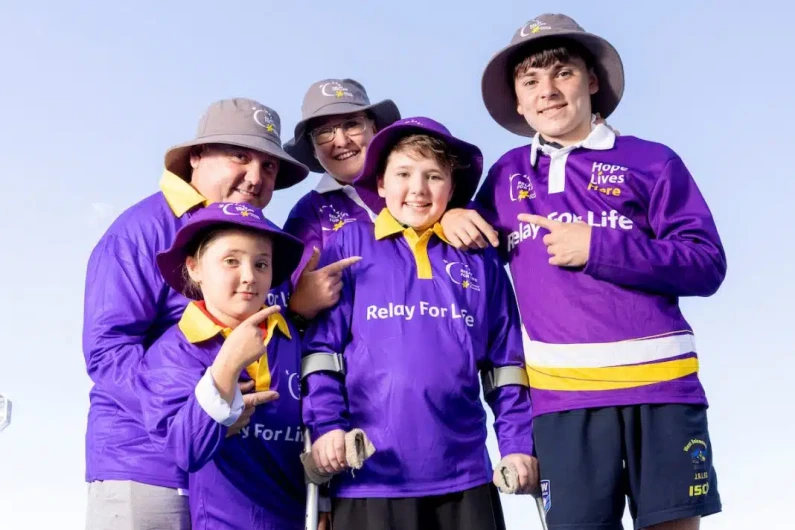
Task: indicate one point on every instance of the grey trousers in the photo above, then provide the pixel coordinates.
(128, 505)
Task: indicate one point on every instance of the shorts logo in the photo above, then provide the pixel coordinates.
(546, 494)
(462, 275)
(697, 452)
(335, 218)
(521, 187)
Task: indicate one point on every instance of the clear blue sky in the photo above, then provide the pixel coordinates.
(93, 94)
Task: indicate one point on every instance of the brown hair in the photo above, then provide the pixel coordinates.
(425, 146)
(201, 242)
(548, 52)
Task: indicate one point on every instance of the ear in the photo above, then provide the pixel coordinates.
(195, 156)
(381, 189)
(194, 270)
(593, 82)
(519, 109)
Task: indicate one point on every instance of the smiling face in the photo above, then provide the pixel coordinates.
(233, 268)
(417, 181)
(226, 173)
(553, 93)
(340, 144)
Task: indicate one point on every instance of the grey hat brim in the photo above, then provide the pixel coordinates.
(300, 146)
(291, 171)
(499, 94)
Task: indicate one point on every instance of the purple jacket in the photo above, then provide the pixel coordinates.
(251, 480)
(415, 327)
(127, 307)
(610, 333)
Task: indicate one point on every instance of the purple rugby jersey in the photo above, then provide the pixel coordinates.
(610, 333)
(416, 321)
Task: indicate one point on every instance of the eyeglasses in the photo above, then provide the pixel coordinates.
(351, 127)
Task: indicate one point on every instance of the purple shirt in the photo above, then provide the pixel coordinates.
(610, 333)
(321, 213)
(416, 321)
(127, 307)
(253, 479)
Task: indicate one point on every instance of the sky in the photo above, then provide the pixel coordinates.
(93, 94)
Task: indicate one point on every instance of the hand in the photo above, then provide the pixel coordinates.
(526, 468)
(250, 402)
(569, 244)
(317, 290)
(328, 452)
(466, 229)
(324, 521)
(245, 344)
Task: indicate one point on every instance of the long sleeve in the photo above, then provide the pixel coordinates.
(121, 297)
(325, 406)
(685, 258)
(303, 222)
(173, 415)
(511, 404)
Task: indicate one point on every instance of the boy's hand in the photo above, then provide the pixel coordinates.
(317, 290)
(466, 229)
(328, 452)
(569, 244)
(526, 468)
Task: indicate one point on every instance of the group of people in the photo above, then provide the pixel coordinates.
(215, 339)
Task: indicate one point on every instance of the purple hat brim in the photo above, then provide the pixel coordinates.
(287, 251)
(465, 179)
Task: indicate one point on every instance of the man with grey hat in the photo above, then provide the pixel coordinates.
(236, 156)
(337, 123)
(603, 235)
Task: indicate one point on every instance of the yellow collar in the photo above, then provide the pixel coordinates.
(198, 327)
(180, 195)
(386, 225)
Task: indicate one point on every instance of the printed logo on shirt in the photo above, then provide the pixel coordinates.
(461, 274)
(696, 451)
(280, 298)
(293, 384)
(521, 187)
(335, 218)
(335, 90)
(546, 494)
(240, 210)
(607, 178)
(259, 430)
(424, 310)
(611, 219)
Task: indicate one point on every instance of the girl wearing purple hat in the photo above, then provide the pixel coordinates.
(225, 258)
(399, 356)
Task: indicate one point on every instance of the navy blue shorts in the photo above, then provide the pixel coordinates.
(657, 456)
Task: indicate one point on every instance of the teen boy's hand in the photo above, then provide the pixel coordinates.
(319, 289)
(328, 452)
(569, 244)
(466, 229)
(527, 469)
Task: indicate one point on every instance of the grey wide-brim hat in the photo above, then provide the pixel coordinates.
(244, 123)
(497, 84)
(335, 97)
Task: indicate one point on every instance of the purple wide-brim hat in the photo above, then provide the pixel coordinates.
(465, 179)
(287, 250)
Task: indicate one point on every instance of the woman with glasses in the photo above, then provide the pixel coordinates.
(337, 123)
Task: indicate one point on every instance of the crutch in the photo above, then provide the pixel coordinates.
(510, 483)
(312, 492)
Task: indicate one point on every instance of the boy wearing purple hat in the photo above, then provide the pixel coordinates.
(226, 257)
(236, 157)
(399, 356)
(603, 234)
